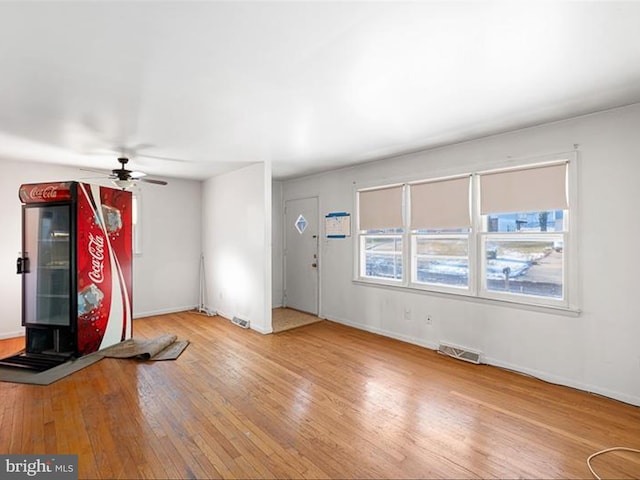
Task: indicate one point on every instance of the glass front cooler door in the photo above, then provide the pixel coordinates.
(47, 287)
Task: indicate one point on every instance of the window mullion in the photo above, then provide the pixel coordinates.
(407, 263)
(475, 260)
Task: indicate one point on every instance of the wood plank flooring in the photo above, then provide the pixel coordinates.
(321, 401)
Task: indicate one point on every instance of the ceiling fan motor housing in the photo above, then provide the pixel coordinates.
(122, 173)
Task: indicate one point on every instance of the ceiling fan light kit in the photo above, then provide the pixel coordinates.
(124, 184)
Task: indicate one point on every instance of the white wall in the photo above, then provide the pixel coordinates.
(595, 351)
(155, 272)
(237, 240)
(166, 274)
(277, 236)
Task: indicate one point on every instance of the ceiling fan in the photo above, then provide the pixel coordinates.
(125, 178)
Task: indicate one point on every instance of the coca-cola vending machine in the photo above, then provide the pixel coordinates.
(76, 267)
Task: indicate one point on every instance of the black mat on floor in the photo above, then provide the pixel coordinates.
(47, 377)
(33, 361)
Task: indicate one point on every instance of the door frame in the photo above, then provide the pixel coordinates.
(284, 251)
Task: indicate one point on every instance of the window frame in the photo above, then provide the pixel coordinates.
(361, 235)
(477, 290)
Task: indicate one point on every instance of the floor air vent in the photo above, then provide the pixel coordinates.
(460, 353)
(240, 322)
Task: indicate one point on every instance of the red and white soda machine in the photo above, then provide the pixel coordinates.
(76, 267)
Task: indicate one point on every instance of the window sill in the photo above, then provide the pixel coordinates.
(467, 297)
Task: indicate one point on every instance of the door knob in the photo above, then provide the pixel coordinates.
(314, 265)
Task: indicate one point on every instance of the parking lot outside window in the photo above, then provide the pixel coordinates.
(527, 262)
(440, 259)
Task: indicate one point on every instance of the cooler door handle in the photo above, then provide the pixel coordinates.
(22, 265)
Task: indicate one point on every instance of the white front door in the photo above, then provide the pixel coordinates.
(301, 255)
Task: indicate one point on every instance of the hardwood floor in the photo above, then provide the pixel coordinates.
(321, 401)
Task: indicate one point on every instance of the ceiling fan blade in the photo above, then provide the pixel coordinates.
(153, 180)
(168, 159)
(103, 172)
(93, 179)
(134, 149)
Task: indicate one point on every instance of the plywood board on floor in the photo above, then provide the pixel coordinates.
(287, 319)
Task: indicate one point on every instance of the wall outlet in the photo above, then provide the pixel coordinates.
(407, 314)
(429, 320)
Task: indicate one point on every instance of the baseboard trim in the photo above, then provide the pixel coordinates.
(163, 311)
(385, 333)
(260, 329)
(17, 333)
(257, 328)
(565, 382)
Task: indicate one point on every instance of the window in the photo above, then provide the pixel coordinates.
(523, 245)
(525, 265)
(503, 234)
(524, 253)
(381, 254)
(440, 259)
(440, 228)
(381, 233)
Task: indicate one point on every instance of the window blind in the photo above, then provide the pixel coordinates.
(526, 190)
(380, 208)
(440, 204)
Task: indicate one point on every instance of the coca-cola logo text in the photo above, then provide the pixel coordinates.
(96, 250)
(43, 193)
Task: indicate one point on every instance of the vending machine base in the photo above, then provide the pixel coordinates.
(58, 341)
(34, 361)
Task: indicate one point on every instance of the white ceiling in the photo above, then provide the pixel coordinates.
(199, 88)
